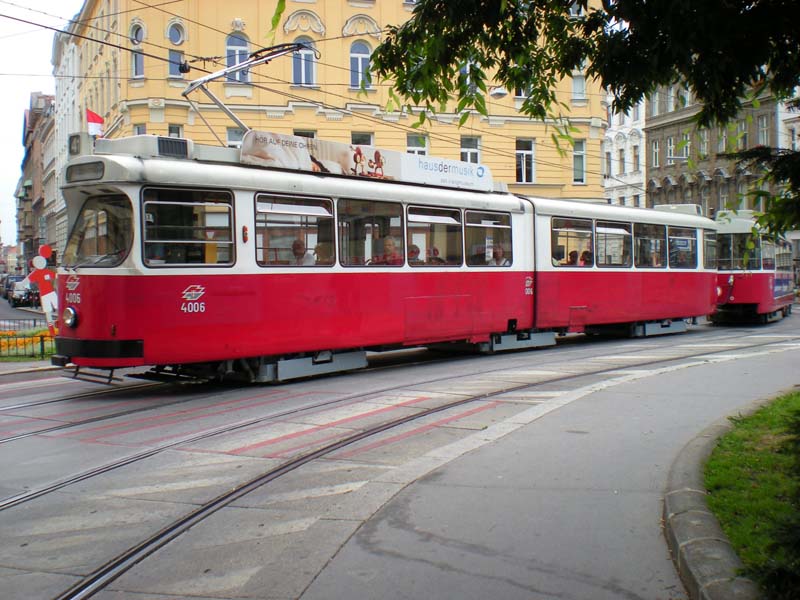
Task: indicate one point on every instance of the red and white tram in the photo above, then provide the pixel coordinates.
(184, 259)
(755, 272)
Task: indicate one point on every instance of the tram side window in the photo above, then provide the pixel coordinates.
(571, 242)
(370, 233)
(488, 239)
(682, 248)
(187, 227)
(738, 251)
(434, 237)
(613, 244)
(650, 245)
(783, 256)
(768, 254)
(294, 232)
(709, 249)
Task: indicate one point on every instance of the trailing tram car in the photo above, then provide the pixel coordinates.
(755, 272)
(291, 258)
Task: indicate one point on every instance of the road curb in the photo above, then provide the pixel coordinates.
(705, 559)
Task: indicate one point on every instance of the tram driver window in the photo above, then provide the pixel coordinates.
(488, 239)
(294, 232)
(650, 246)
(187, 227)
(572, 242)
(370, 233)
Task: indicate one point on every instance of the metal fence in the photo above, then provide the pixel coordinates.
(23, 338)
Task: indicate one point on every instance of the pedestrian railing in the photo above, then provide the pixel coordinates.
(25, 338)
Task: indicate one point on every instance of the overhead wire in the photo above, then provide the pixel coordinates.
(407, 128)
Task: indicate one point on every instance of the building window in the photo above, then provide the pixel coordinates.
(622, 160)
(359, 65)
(137, 56)
(578, 87)
(636, 112)
(361, 138)
(176, 34)
(237, 51)
(234, 137)
(470, 149)
(670, 98)
(636, 166)
(655, 153)
(722, 139)
(304, 64)
(140, 129)
(575, 10)
(702, 149)
(686, 146)
(670, 150)
(636, 201)
(654, 104)
(175, 131)
(175, 62)
(306, 133)
(525, 161)
(579, 161)
(609, 168)
(763, 130)
(741, 135)
(416, 144)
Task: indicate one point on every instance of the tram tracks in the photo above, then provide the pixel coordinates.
(108, 572)
(187, 440)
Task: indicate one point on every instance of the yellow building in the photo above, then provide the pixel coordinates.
(133, 61)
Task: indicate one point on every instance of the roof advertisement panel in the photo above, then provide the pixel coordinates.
(323, 156)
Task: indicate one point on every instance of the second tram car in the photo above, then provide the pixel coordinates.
(755, 272)
(183, 259)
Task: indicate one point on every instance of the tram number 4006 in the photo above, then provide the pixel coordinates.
(193, 307)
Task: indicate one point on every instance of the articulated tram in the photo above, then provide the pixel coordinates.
(755, 272)
(288, 258)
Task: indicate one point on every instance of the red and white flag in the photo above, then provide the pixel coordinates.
(95, 123)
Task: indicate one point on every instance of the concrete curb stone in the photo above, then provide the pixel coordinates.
(704, 557)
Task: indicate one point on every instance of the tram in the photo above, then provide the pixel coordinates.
(292, 257)
(755, 272)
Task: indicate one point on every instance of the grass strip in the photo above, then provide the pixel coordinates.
(753, 480)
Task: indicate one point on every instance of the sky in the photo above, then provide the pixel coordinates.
(25, 53)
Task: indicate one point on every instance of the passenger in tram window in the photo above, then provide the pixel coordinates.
(323, 254)
(413, 255)
(586, 259)
(499, 257)
(301, 256)
(434, 258)
(572, 258)
(390, 255)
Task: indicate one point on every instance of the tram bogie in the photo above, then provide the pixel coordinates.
(207, 265)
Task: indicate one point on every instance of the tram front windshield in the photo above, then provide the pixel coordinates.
(102, 234)
(737, 251)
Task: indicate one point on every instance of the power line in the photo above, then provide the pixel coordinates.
(383, 122)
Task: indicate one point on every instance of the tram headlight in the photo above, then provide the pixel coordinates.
(70, 317)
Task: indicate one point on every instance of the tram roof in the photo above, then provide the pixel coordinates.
(595, 210)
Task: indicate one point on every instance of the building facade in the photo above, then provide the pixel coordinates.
(688, 164)
(130, 64)
(623, 157)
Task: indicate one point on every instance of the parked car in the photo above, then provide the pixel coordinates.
(21, 295)
(8, 284)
